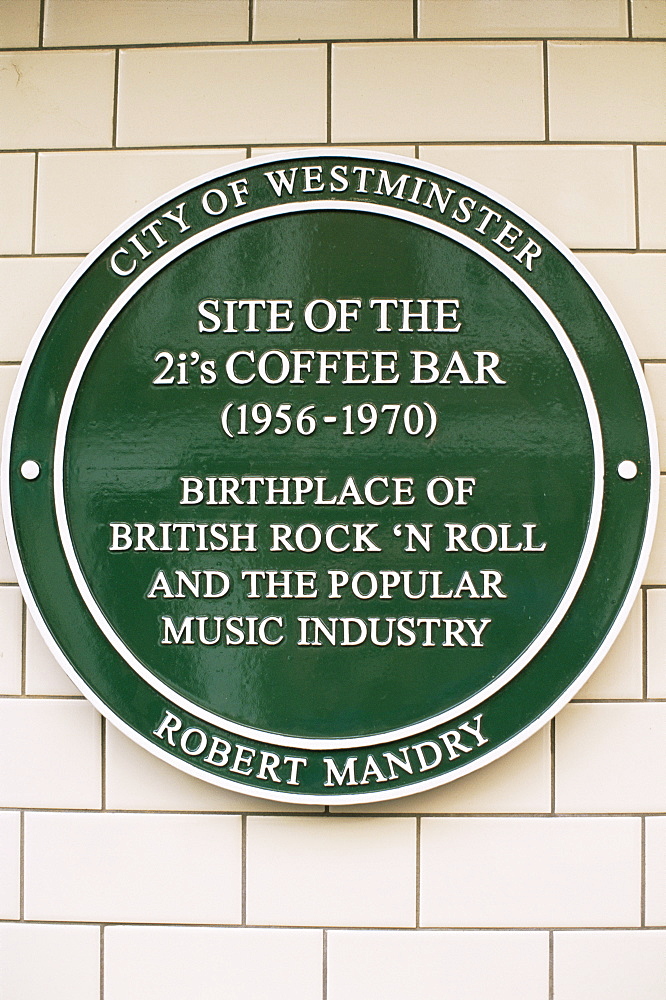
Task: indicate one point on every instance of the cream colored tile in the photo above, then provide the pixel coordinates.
(386, 965)
(54, 747)
(566, 188)
(623, 84)
(138, 22)
(135, 779)
(43, 673)
(29, 284)
(517, 782)
(331, 870)
(655, 870)
(10, 862)
(7, 574)
(11, 611)
(631, 735)
(635, 283)
(19, 23)
(656, 643)
(655, 376)
(620, 674)
(521, 18)
(652, 196)
(56, 99)
(211, 96)
(82, 197)
(397, 149)
(530, 872)
(116, 867)
(430, 91)
(17, 180)
(292, 19)
(7, 378)
(45, 960)
(156, 962)
(656, 567)
(648, 18)
(609, 965)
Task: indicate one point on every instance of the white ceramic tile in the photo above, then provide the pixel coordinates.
(517, 782)
(52, 754)
(648, 18)
(652, 196)
(623, 84)
(611, 758)
(136, 779)
(521, 18)
(656, 567)
(635, 283)
(7, 378)
(201, 962)
(56, 99)
(434, 91)
(620, 673)
(29, 284)
(7, 574)
(656, 643)
(19, 23)
(609, 965)
(116, 867)
(136, 22)
(392, 965)
(566, 188)
(43, 674)
(228, 95)
(11, 610)
(655, 376)
(17, 180)
(83, 197)
(655, 870)
(47, 960)
(331, 870)
(527, 872)
(10, 855)
(292, 19)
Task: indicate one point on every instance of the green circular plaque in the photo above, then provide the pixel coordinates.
(330, 476)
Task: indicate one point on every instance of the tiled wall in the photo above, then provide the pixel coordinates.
(544, 874)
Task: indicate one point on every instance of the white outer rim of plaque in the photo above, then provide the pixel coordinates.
(363, 797)
(329, 743)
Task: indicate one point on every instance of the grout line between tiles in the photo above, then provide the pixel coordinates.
(546, 94)
(102, 735)
(630, 19)
(250, 20)
(24, 623)
(329, 92)
(644, 641)
(244, 870)
(42, 25)
(102, 943)
(114, 120)
(33, 237)
(552, 766)
(415, 18)
(643, 872)
(21, 865)
(551, 965)
(417, 894)
(324, 964)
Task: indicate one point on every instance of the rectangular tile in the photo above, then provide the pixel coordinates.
(54, 752)
(331, 870)
(135, 779)
(231, 95)
(83, 197)
(527, 872)
(635, 283)
(656, 643)
(652, 196)
(619, 964)
(135, 22)
(56, 99)
(7, 574)
(566, 188)
(11, 610)
(429, 91)
(648, 18)
(386, 965)
(620, 674)
(655, 376)
(517, 782)
(623, 742)
(115, 867)
(17, 181)
(10, 865)
(655, 870)
(521, 18)
(47, 960)
(43, 674)
(623, 84)
(157, 962)
(8, 375)
(293, 19)
(19, 23)
(656, 567)
(29, 284)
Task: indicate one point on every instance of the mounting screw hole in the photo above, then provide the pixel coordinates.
(30, 469)
(627, 469)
